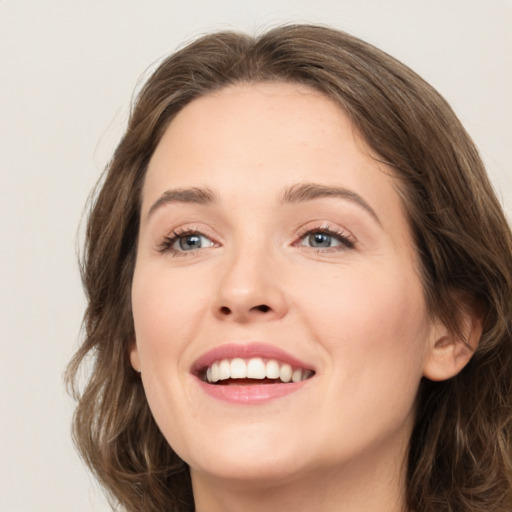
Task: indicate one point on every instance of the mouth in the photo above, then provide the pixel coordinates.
(252, 371)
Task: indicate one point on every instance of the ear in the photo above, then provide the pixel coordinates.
(450, 351)
(133, 352)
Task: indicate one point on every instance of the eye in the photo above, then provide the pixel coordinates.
(187, 241)
(326, 238)
(192, 241)
(321, 240)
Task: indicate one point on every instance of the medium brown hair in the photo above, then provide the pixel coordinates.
(460, 451)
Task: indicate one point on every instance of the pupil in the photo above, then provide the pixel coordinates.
(320, 240)
(190, 242)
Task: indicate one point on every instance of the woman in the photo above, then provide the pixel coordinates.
(299, 283)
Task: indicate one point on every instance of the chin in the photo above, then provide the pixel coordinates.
(265, 470)
(246, 454)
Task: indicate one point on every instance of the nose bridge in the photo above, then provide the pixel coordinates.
(249, 287)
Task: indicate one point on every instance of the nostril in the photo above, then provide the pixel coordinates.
(226, 311)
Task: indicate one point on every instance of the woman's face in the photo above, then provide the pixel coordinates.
(271, 242)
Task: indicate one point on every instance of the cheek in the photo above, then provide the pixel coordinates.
(166, 310)
(373, 325)
(374, 335)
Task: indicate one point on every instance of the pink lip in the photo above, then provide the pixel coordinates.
(253, 393)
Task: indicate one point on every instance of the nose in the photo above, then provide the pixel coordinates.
(250, 289)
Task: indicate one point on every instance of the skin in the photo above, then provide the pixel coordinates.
(355, 311)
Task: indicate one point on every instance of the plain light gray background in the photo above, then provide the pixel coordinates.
(67, 72)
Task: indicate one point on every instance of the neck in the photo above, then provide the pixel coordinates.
(348, 489)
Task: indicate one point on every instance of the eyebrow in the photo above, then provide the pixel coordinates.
(192, 195)
(296, 194)
(309, 191)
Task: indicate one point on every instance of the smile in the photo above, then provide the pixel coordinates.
(239, 371)
(250, 373)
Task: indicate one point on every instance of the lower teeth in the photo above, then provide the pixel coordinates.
(246, 382)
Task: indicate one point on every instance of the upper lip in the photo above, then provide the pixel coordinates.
(246, 351)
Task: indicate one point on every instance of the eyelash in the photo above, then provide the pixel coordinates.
(165, 246)
(346, 240)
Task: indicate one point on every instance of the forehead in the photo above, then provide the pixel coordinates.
(240, 120)
(251, 139)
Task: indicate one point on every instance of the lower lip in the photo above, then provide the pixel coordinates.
(251, 394)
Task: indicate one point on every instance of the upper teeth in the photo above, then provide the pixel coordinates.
(254, 368)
